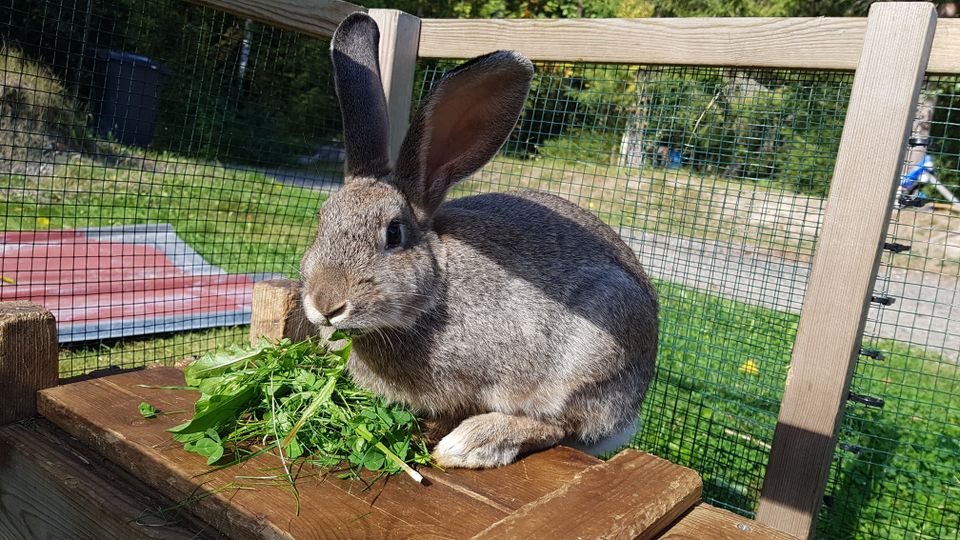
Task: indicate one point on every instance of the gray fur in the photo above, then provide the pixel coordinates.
(519, 318)
(354, 51)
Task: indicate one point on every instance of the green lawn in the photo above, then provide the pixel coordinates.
(714, 406)
(238, 220)
(721, 365)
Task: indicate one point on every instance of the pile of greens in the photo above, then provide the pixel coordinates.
(297, 399)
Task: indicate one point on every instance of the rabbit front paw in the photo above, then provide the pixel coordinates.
(493, 440)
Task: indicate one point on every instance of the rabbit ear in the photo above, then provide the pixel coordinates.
(461, 125)
(355, 51)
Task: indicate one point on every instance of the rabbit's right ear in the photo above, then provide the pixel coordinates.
(461, 125)
(355, 52)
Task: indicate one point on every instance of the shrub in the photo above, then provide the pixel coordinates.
(37, 115)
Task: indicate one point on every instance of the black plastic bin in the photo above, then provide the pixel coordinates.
(126, 91)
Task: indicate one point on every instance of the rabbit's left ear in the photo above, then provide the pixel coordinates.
(354, 50)
(461, 125)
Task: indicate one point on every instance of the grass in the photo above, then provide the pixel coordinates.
(714, 407)
(239, 220)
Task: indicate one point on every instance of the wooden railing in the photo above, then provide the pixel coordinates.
(890, 51)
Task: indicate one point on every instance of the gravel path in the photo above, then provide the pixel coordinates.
(926, 310)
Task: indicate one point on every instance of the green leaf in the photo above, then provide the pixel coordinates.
(147, 410)
(203, 446)
(215, 455)
(220, 410)
(374, 461)
(219, 363)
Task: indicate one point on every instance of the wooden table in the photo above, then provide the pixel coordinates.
(121, 464)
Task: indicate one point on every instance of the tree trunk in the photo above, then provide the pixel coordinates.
(921, 125)
(632, 143)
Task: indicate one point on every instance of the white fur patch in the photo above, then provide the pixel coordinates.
(312, 313)
(460, 449)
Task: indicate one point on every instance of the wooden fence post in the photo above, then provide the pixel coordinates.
(277, 312)
(28, 358)
(882, 105)
(399, 42)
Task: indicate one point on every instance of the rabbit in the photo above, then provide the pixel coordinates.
(516, 320)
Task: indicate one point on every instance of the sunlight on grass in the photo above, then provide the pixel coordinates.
(706, 412)
(236, 219)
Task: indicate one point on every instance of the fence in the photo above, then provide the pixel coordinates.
(709, 144)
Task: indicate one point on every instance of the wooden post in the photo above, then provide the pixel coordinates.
(278, 312)
(28, 358)
(399, 41)
(882, 105)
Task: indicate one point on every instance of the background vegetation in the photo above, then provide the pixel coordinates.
(274, 102)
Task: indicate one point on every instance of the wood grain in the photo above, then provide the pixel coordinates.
(277, 312)
(52, 487)
(317, 18)
(28, 357)
(523, 482)
(639, 495)
(821, 43)
(796, 42)
(882, 105)
(103, 413)
(945, 51)
(705, 521)
(399, 40)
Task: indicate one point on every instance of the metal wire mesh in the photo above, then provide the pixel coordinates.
(155, 160)
(716, 177)
(895, 473)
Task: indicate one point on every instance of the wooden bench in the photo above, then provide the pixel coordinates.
(92, 467)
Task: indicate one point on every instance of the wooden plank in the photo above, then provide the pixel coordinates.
(53, 487)
(277, 312)
(523, 482)
(882, 102)
(705, 521)
(797, 42)
(103, 413)
(28, 358)
(317, 18)
(945, 52)
(642, 494)
(399, 40)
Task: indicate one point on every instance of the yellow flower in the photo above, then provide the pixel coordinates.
(750, 367)
(43, 222)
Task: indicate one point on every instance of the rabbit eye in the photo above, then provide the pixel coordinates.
(394, 235)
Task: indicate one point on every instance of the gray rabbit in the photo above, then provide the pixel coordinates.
(512, 321)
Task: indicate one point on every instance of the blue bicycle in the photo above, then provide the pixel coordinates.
(909, 193)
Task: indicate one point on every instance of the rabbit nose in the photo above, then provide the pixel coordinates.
(330, 299)
(332, 312)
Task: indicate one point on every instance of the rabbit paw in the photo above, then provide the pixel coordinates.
(493, 440)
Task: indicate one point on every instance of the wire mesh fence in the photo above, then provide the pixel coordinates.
(895, 472)
(717, 178)
(156, 159)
